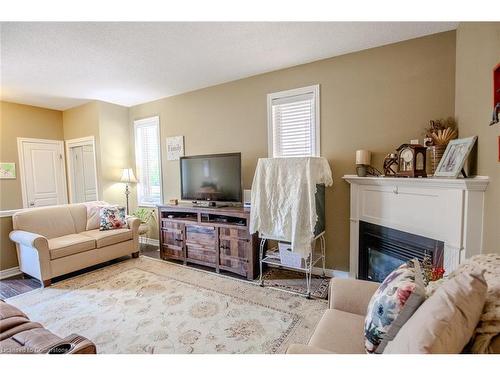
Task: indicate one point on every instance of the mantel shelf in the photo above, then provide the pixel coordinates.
(477, 183)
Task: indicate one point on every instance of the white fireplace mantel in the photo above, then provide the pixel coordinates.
(448, 210)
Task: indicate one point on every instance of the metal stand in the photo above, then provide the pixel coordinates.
(309, 262)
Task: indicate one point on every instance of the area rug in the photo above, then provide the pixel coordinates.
(295, 282)
(151, 306)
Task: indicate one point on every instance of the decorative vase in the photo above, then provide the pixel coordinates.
(437, 153)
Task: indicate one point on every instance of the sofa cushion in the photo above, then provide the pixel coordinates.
(446, 320)
(51, 222)
(112, 218)
(109, 237)
(339, 332)
(93, 214)
(70, 244)
(37, 340)
(394, 302)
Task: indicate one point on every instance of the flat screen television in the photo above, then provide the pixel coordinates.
(211, 177)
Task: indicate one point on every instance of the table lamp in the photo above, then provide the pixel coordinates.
(128, 177)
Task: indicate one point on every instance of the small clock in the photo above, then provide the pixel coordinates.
(411, 160)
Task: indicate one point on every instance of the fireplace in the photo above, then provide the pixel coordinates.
(383, 249)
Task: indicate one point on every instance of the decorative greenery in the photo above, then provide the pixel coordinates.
(430, 272)
(145, 215)
(442, 131)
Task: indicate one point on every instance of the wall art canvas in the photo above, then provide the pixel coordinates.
(175, 147)
(7, 170)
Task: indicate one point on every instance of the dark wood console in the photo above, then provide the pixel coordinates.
(213, 237)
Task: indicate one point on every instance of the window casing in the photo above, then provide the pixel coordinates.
(148, 161)
(293, 122)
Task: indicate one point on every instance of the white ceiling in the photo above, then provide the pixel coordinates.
(61, 65)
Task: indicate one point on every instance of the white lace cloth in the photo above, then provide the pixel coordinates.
(283, 199)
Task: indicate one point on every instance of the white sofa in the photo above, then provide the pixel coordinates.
(53, 241)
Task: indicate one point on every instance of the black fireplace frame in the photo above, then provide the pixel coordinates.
(396, 243)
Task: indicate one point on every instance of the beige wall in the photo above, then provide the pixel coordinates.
(17, 120)
(114, 150)
(478, 52)
(374, 99)
(108, 124)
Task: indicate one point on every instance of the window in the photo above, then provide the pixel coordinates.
(147, 159)
(293, 122)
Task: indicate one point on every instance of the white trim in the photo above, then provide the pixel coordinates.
(9, 272)
(478, 183)
(331, 273)
(138, 124)
(85, 141)
(149, 241)
(9, 213)
(20, 142)
(314, 89)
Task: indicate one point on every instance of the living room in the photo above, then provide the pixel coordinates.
(270, 188)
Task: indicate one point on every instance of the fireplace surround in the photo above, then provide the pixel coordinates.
(442, 209)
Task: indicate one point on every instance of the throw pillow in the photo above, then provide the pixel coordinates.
(93, 213)
(112, 218)
(394, 302)
(445, 322)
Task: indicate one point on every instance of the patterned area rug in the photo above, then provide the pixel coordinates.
(150, 306)
(294, 281)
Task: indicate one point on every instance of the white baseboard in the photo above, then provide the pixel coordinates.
(331, 273)
(9, 272)
(149, 241)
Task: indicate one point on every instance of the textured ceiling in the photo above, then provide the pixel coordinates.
(61, 65)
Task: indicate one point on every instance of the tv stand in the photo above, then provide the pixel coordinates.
(216, 237)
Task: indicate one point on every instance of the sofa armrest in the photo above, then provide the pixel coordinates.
(133, 223)
(351, 295)
(305, 349)
(30, 239)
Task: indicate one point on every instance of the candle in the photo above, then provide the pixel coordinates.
(363, 157)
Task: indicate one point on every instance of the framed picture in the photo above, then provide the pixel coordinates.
(7, 170)
(454, 157)
(175, 147)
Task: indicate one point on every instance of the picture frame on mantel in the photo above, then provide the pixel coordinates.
(455, 155)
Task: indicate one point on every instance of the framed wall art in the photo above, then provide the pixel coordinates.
(7, 171)
(175, 147)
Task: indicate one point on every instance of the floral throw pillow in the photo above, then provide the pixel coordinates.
(394, 302)
(112, 218)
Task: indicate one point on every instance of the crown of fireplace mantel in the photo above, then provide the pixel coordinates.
(478, 183)
(444, 209)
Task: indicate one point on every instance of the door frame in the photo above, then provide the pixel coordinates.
(84, 141)
(20, 141)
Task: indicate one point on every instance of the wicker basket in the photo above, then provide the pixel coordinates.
(437, 153)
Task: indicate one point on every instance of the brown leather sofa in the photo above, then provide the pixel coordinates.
(19, 335)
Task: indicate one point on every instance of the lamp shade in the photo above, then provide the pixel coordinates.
(363, 157)
(128, 175)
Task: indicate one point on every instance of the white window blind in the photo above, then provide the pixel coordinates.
(147, 158)
(294, 123)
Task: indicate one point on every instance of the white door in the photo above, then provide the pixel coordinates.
(43, 176)
(83, 174)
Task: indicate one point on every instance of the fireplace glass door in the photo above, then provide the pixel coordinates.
(382, 250)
